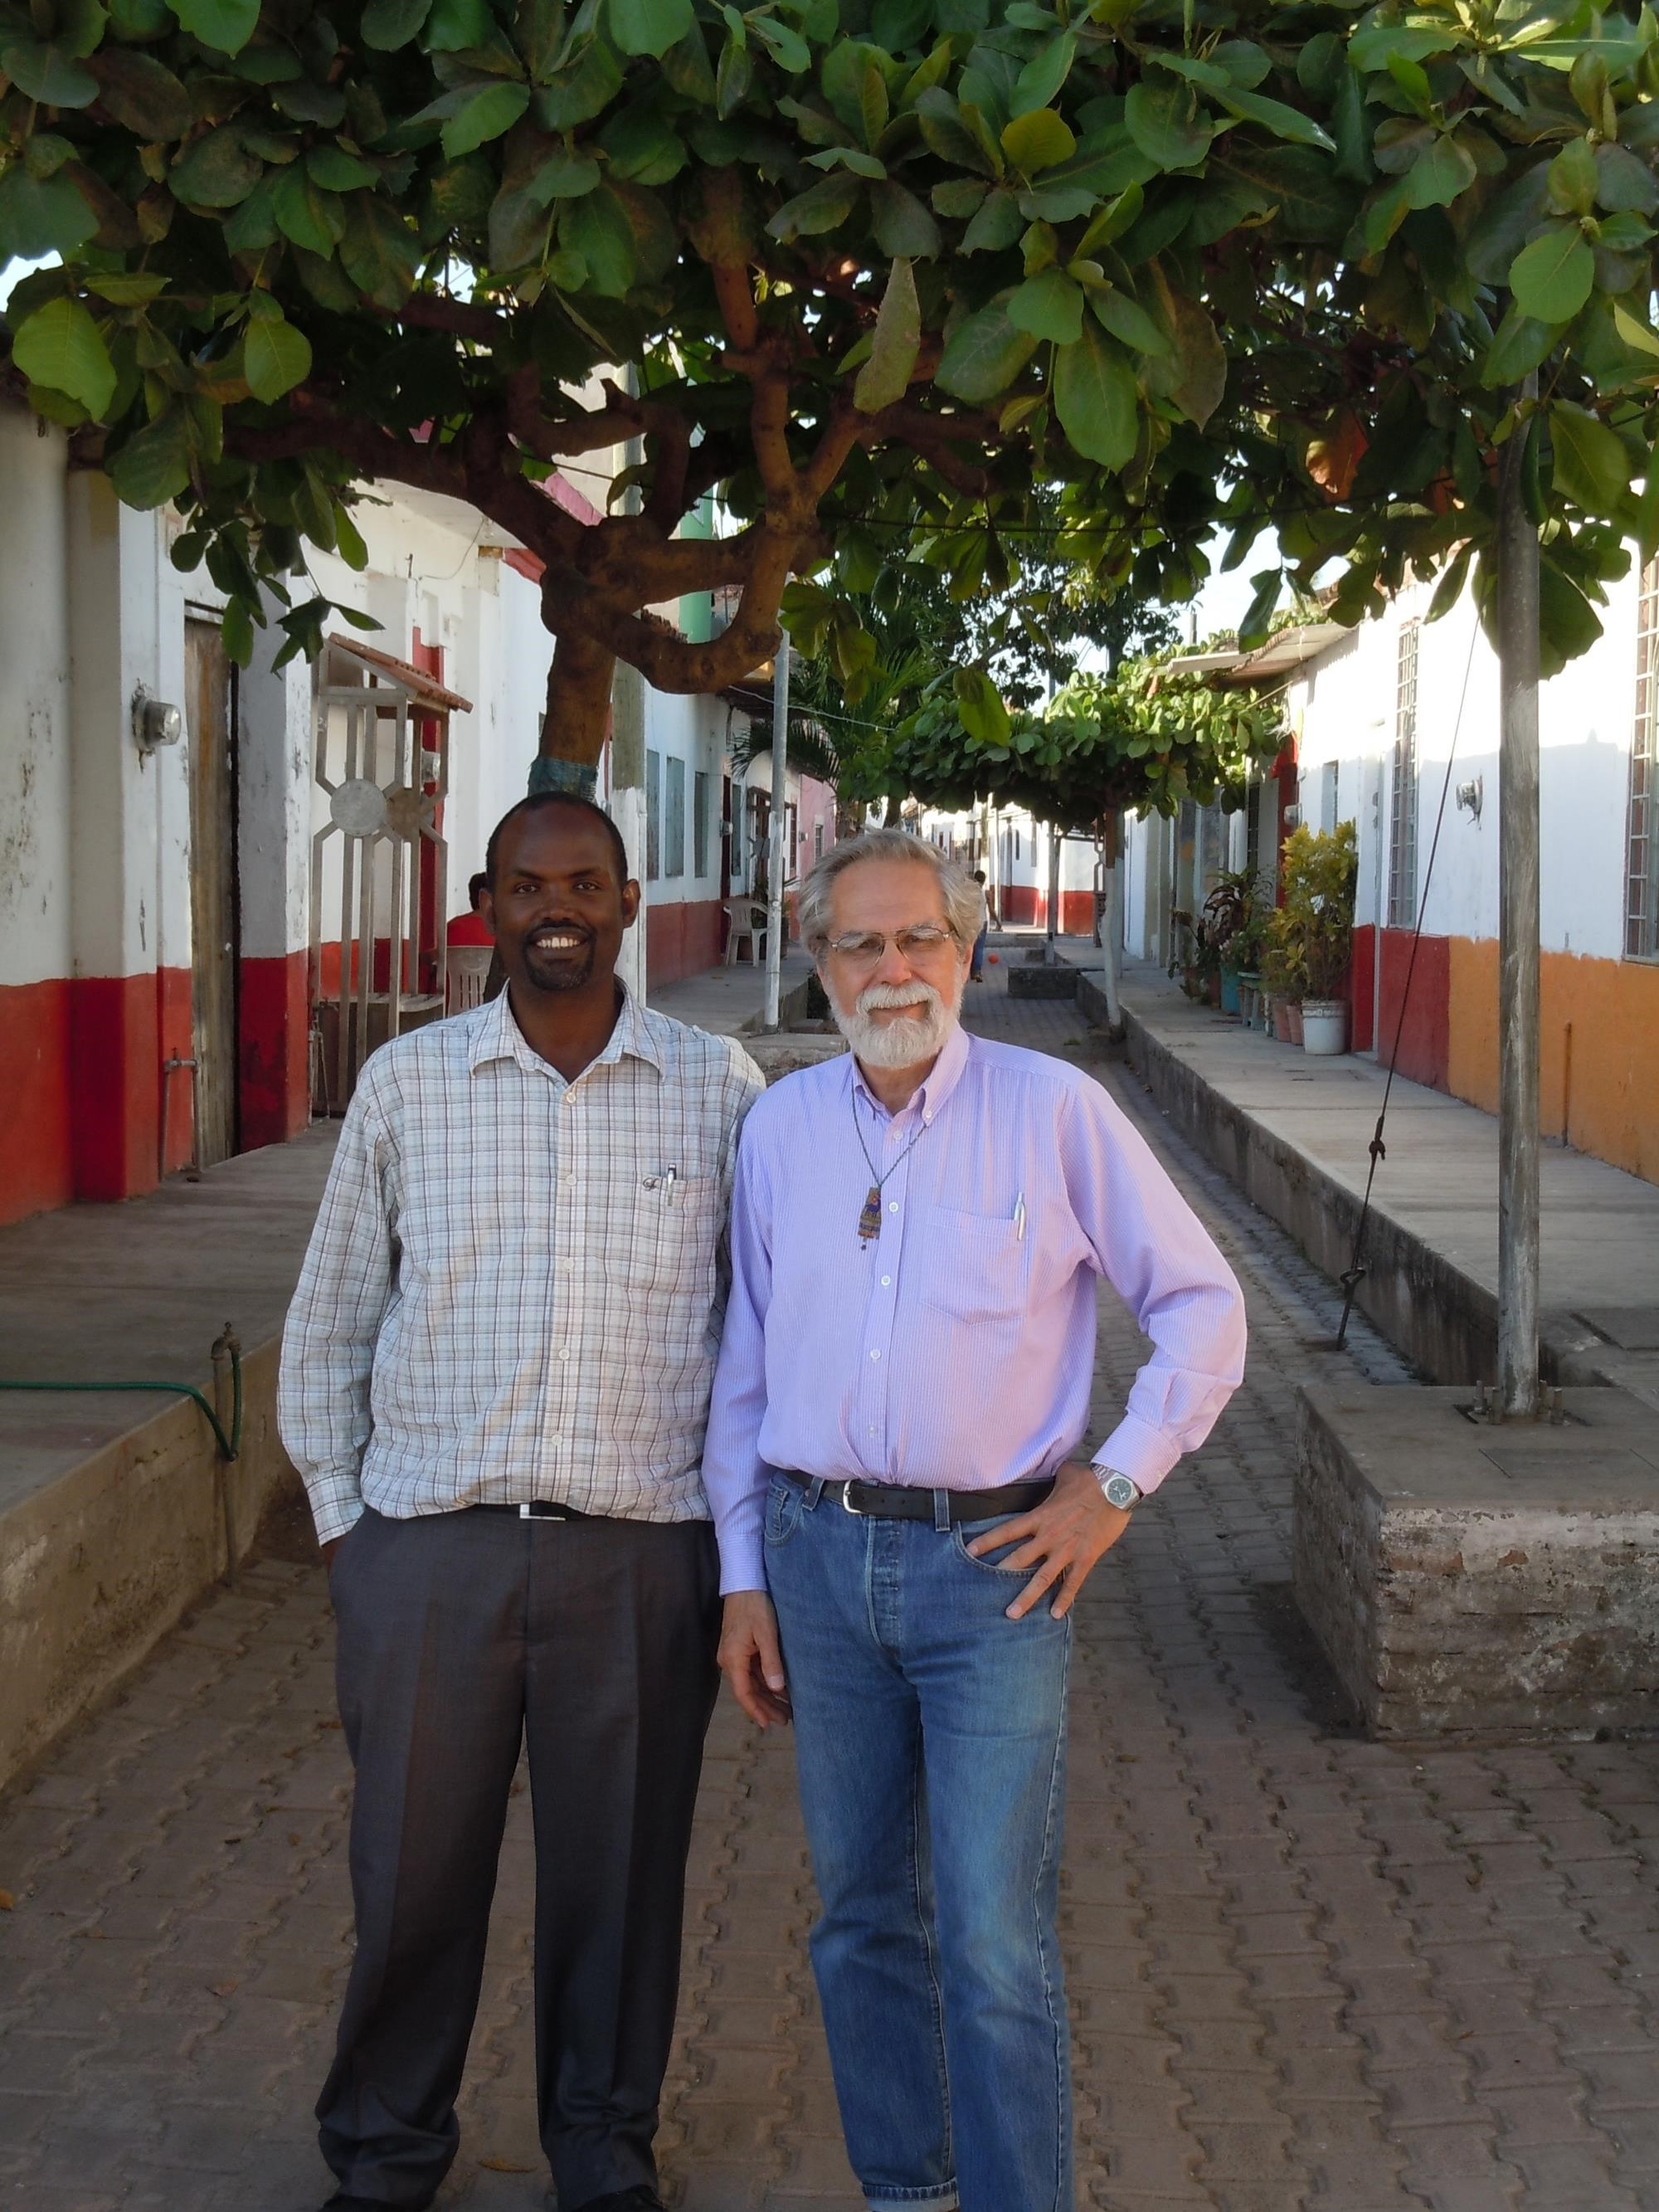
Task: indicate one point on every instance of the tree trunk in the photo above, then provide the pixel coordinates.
(577, 717)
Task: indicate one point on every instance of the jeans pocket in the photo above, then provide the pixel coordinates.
(784, 1504)
(969, 1532)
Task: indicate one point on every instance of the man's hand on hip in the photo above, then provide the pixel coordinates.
(1064, 1538)
(329, 1549)
(750, 1659)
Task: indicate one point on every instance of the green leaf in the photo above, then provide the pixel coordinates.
(1635, 334)
(1552, 279)
(824, 207)
(996, 227)
(1037, 141)
(1097, 400)
(455, 26)
(1203, 360)
(337, 171)
(958, 198)
(1275, 115)
(1127, 320)
(225, 25)
(563, 176)
(1048, 306)
(1573, 178)
(389, 24)
(1043, 76)
(1591, 466)
(141, 95)
(252, 227)
(217, 170)
(733, 75)
(1522, 342)
(121, 289)
(1253, 630)
(848, 157)
(1440, 173)
(599, 229)
(377, 252)
(979, 705)
(1164, 123)
(1625, 184)
(787, 48)
(154, 465)
(276, 357)
(1117, 216)
(60, 346)
(492, 110)
(984, 356)
(649, 26)
(48, 73)
(904, 228)
(306, 213)
(42, 214)
(885, 377)
(586, 81)
(518, 221)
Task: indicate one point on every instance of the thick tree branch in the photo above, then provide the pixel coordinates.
(463, 319)
(371, 451)
(735, 298)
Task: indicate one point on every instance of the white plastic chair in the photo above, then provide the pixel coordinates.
(469, 971)
(747, 918)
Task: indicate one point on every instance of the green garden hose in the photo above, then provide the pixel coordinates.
(230, 1446)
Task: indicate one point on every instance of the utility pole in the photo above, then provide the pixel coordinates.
(1111, 916)
(1517, 936)
(1054, 891)
(780, 827)
(628, 795)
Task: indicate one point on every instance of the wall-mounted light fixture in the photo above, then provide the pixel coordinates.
(154, 722)
(1472, 795)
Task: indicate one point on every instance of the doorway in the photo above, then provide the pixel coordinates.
(214, 916)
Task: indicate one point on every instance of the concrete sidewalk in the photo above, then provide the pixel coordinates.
(1294, 1133)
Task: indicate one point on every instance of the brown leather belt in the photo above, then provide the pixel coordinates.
(902, 1501)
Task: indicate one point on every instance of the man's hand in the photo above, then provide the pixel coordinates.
(329, 1549)
(1065, 1539)
(750, 1657)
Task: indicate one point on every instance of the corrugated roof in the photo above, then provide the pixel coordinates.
(425, 690)
(1281, 654)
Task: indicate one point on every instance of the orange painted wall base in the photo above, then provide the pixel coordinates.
(1599, 1056)
(682, 939)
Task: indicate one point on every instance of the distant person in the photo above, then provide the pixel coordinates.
(494, 1383)
(470, 927)
(976, 964)
(894, 1460)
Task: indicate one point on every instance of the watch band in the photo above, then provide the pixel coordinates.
(1129, 1492)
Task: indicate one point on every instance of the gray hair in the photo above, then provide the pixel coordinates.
(963, 899)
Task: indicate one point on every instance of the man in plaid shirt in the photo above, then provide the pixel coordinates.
(494, 1383)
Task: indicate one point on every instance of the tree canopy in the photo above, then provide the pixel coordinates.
(889, 266)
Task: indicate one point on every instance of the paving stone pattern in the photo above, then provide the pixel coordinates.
(1304, 1970)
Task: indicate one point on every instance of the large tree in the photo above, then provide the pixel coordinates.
(888, 264)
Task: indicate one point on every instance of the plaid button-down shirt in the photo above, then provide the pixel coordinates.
(515, 1284)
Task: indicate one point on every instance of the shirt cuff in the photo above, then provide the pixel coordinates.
(1134, 1448)
(335, 1516)
(743, 1563)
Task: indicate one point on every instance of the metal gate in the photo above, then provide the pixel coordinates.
(385, 789)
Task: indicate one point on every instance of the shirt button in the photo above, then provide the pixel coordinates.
(892, 1205)
(886, 1281)
(875, 1355)
(564, 1351)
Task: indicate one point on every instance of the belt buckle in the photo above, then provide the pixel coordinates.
(847, 1506)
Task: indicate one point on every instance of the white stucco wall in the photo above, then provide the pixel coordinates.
(34, 705)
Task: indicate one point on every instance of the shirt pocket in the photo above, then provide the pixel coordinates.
(975, 1266)
(673, 1238)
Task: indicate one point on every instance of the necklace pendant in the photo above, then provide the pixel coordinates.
(870, 1218)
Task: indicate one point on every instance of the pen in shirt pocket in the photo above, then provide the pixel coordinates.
(665, 1181)
(1019, 1219)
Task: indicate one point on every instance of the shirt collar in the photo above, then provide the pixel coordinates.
(943, 1078)
(498, 1037)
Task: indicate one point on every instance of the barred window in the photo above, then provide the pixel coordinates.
(653, 816)
(1641, 843)
(673, 818)
(1402, 802)
(700, 824)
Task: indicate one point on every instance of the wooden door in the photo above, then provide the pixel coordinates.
(209, 690)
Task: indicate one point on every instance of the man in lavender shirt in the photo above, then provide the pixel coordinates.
(902, 1389)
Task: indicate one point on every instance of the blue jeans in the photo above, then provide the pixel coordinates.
(930, 1736)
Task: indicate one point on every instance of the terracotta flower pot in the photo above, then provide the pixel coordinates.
(1282, 1020)
(1296, 1021)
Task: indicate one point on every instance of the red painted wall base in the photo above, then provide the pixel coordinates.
(681, 940)
(273, 1020)
(37, 1167)
(1424, 1033)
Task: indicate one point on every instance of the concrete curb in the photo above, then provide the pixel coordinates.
(97, 1566)
(1440, 1317)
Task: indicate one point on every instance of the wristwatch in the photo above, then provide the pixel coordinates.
(1118, 1489)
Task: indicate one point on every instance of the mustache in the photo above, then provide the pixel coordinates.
(916, 993)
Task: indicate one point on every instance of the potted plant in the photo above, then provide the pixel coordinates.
(1223, 922)
(1281, 972)
(1321, 869)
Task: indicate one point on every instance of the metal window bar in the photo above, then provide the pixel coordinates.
(1641, 844)
(1402, 806)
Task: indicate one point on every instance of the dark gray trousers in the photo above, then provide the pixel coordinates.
(459, 1635)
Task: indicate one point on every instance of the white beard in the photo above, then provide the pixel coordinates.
(901, 1043)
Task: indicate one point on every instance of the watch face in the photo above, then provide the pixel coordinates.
(1120, 1493)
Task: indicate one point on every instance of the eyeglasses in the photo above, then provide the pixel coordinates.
(864, 951)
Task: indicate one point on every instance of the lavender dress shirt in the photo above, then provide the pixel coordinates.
(955, 1349)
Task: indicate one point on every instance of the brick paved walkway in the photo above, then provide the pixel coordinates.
(1304, 1970)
